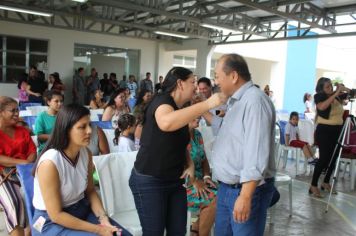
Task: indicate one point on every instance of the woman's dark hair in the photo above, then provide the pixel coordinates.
(170, 83)
(320, 84)
(141, 95)
(66, 118)
(173, 75)
(114, 95)
(305, 97)
(125, 121)
(293, 114)
(235, 62)
(48, 95)
(56, 77)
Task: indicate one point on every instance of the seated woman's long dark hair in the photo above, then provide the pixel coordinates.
(59, 138)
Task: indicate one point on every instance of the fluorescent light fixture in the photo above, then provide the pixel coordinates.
(216, 27)
(39, 13)
(82, 1)
(172, 34)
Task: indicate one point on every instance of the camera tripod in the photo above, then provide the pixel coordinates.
(343, 141)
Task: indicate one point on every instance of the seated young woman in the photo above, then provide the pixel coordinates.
(65, 200)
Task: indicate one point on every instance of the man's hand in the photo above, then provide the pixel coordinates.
(242, 209)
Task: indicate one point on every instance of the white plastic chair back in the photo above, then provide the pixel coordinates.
(110, 135)
(94, 114)
(114, 171)
(25, 113)
(36, 110)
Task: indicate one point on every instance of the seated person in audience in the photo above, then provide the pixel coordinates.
(116, 107)
(292, 138)
(16, 147)
(22, 86)
(201, 194)
(144, 97)
(45, 120)
(98, 102)
(123, 133)
(98, 142)
(55, 83)
(64, 199)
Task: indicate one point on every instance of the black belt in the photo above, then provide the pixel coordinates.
(239, 185)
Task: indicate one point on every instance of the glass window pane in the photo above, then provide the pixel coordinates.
(38, 45)
(34, 59)
(15, 59)
(1, 43)
(189, 61)
(0, 58)
(1, 75)
(13, 74)
(178, 60)
(15, 43)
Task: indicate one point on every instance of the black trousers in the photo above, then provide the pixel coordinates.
(326, 136)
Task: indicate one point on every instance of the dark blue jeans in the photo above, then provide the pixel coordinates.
(161, 204)
(80, 210)
(255, 225)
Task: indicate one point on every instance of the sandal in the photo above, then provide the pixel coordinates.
(315, 192)
(327, 188)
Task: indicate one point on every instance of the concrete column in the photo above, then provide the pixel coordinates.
(203, 61)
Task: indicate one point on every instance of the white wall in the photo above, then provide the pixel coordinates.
(266, 61)
(105, 64)
(61, 49)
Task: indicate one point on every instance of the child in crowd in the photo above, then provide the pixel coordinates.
(125, 129)
(292, 138)
(45, 120)
(23, 96)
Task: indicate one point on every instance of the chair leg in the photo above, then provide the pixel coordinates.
(353, 174)
(296, 155)
(285, 156)
(290, 198)
(272, 211)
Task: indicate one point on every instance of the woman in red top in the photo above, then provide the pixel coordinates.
(16, 147)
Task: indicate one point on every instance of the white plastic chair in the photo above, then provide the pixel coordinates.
(114, 171)
(94, 114)
(36, 110)
(351, 160)
(281, 180)
(296, 153)
(25, 113)
(110, 135)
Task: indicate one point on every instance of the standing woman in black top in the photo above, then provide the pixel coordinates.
(163, 162)
(329, 122)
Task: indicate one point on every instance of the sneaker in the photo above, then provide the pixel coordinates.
(313, 161)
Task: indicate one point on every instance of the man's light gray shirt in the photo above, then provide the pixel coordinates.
(244, 147)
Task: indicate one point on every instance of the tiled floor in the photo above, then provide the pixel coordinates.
(309, 217)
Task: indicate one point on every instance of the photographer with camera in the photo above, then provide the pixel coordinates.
(329, 120)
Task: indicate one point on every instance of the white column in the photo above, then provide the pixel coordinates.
(203, 60)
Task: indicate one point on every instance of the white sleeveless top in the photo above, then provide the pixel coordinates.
(73, 177)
